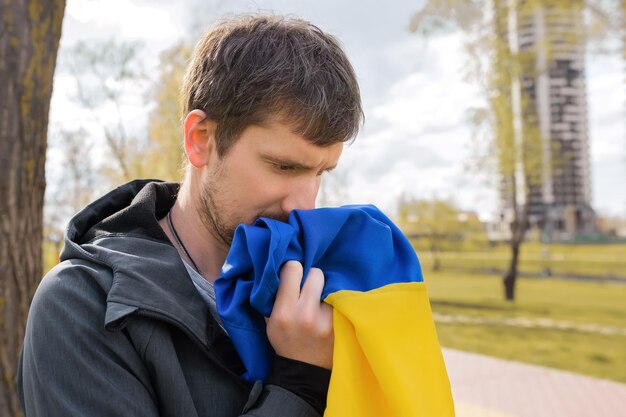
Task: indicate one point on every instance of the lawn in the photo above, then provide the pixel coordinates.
(599, 260)
(581, 303)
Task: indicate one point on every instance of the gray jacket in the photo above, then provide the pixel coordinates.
(118, 328)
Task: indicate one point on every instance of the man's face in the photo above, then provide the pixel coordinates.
(267, 172)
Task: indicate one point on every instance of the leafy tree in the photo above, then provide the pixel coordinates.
(164, 153)
(30, 31)
(75, 184)
(79, 175)
(439, 224)
(107, 74)
(505, 73)
(104, 73)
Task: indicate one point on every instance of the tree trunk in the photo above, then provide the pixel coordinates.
(511, 276)
(29, 40)
(518, 234)
(436, 261)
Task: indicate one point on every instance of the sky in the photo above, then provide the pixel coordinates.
(416, 139)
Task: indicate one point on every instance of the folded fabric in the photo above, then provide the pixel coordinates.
(387, 360)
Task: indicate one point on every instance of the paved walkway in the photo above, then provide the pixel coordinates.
(488, 387)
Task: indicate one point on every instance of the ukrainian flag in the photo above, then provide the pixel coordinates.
(387, 360)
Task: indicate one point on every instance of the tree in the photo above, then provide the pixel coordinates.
(517, 140)
(517, 136)
(74, 186)
(106, 73)
(164, 153)
(29, 40)
(437, 223)
(622, 30)
(78, 174)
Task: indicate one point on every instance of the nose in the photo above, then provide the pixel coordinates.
(301, 195)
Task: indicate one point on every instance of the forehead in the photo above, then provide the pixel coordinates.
(278, 141)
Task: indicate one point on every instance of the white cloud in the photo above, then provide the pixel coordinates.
(123, 18)
(607, 126)
(416, 138)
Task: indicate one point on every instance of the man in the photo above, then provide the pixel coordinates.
(127, 324)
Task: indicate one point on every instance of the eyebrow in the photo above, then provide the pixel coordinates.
(292, 164)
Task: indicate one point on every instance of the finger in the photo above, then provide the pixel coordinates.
(289, 285)
(313, 287)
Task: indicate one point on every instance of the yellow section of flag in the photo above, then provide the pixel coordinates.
(387, 360)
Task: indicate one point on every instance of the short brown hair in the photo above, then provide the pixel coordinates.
(254, 69)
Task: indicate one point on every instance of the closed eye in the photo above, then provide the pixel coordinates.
(284, 168)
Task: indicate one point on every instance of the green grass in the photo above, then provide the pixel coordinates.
(482, 295)
(592, 354)
(600, 260)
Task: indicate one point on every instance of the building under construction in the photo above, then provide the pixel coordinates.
(555, 92)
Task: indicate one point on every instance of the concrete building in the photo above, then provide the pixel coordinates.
(556, 94)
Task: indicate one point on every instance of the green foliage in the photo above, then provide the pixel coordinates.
(104, 73)
(434, 219)
(108, 75)
(581, 303)
(164, 155)
(508, 72)
(437, 225)
(439, 15)
(516, 150)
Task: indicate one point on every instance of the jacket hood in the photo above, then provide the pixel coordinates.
(120, 233)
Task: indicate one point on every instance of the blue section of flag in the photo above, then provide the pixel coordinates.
(357, 247)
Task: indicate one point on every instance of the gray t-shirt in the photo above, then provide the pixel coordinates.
(206, 290)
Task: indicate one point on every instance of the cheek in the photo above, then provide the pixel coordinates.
(258, 188)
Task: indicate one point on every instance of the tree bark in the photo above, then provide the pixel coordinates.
(518, 229)
(436, 262)
(29, 39)
(435, 254)
(510, 277)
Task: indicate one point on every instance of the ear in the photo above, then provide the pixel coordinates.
(199, 138)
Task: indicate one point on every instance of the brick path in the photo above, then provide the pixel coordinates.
(488, 387)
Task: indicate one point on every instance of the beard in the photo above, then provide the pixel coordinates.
(218, 212)
(213, 217)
